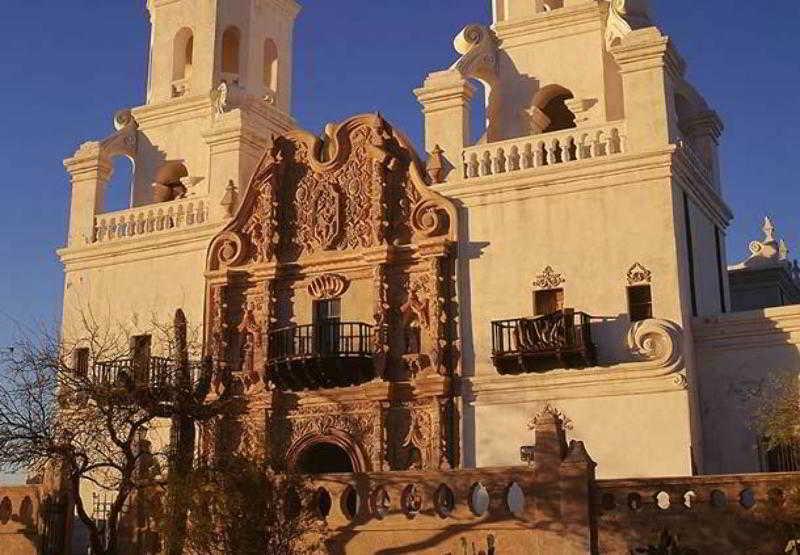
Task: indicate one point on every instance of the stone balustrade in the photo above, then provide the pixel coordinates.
(549, 149)
(150, 219)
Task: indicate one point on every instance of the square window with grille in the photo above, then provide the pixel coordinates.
(640, 303)
(548, 301)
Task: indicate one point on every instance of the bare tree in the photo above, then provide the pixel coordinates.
(86, 405)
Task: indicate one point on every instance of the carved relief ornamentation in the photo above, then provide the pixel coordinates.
(478, 47)
(549, 279)
(363, 187)
(381, 316)
(251, 339)
(423, 318)
(638, 275)
(328, 286)
(361, 422)
(422, 442)
(218, 333)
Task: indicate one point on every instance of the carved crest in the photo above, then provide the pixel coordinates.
(359, 187)
(638, 274)
(549, 279)
(328, 286)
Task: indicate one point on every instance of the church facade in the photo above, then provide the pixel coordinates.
(385, 311)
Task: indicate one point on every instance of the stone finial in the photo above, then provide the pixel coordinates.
(436, 165)
(770, 251)
(783, 250)
(769, 230)
(229, 200)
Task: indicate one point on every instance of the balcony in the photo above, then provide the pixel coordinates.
(530, 345)
(143, 373)
(321, 356)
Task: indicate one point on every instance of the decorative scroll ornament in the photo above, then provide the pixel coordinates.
(422, 439)
(625, 16)
(123, 141)
(549, 279)
(328, 286)
(477, 45)
(659, 341)
(638, 274)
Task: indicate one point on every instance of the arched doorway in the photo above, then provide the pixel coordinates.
(324, 458)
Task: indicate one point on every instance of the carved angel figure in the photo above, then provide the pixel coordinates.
(220, 98)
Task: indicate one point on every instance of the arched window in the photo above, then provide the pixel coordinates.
(231, 43)
(550, 111)
(118, 192)
(270, 65)
(183, 55)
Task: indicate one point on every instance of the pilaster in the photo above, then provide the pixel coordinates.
(90, 170)
(445, 99)
(648, 63)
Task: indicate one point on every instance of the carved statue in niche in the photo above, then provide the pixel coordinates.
(377, 144)
(422, 320)
(251, 341)
(419, 448)
(381, 316)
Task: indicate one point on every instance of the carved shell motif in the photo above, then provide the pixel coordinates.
(328, 286)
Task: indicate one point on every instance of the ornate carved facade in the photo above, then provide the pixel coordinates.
(348, 218)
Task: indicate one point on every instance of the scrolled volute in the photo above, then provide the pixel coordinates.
(658, 341)
(429, 219)
(227, 250)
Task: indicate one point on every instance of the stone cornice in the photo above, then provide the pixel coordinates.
(158, 245)
(443, 91)
(568, 384)
(646, 49)
(778, 326)
(550, 25)
(172, 111)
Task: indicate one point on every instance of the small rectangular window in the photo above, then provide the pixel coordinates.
(81, 362)
(640, 303)
(548, 301)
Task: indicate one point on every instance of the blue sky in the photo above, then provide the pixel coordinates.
(66, 66)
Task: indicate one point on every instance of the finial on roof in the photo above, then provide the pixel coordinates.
(769, 230)
(783, 250)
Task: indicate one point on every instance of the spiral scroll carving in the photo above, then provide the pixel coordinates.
(429, 219)
(470, 37)
(659, 341)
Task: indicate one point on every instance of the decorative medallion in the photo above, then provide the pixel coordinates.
(549, 279)
(638, 274)
(328, 286)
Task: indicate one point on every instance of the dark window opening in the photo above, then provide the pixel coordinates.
(548, 301)
(560, 116)
(81, 362)
(640, 303)
(324, 458)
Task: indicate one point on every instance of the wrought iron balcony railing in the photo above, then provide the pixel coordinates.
(143, 372)
(558, 340)
(321, 356)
